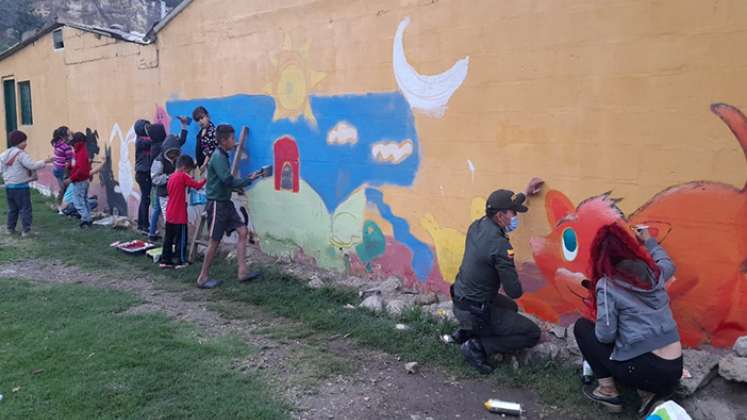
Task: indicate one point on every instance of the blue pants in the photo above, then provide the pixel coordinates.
(80, 200)
(155, 213)
(19, 203)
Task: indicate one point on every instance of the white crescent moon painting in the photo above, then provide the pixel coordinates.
(426, 93)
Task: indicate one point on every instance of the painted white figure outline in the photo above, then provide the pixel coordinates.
(126, 184)
(427, 93)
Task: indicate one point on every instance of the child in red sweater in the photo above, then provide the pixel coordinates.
(176, 213)
(80, 174)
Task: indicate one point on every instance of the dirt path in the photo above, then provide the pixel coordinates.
(374, 385)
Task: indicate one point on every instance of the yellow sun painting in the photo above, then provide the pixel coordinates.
(292, 83)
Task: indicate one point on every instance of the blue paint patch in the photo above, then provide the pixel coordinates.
(333, 171)
(422, 256)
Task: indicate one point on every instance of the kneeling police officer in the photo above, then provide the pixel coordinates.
(489, 321)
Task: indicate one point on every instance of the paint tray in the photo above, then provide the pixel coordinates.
(133, 247)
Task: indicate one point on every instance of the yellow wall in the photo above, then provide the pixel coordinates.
(45, 69)
(591, 96)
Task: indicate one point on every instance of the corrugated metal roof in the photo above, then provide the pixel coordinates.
(115, 33)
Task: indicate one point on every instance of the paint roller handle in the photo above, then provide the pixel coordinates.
(239, 150)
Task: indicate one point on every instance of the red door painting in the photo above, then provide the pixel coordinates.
(286, 164)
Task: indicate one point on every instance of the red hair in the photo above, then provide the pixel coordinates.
(613, 244)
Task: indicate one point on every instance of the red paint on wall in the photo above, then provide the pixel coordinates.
(287, 165)
(703, 227)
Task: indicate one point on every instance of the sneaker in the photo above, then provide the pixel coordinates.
(85, 225)
(181, 265)
(142, 231)
(612, 404)
(12, 232)
(475, 355)
(154, 238)
(26, 234)
(166, 266)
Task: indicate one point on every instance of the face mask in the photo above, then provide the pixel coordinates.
(513, 225)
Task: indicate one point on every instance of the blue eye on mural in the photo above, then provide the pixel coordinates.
(570, 244)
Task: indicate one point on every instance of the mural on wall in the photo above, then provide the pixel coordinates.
(121, 190)
(703, 226)
(426, 93)
(287, 165)
(114, 199)
(330, 155)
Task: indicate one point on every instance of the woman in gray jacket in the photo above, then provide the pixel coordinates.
(633, 338)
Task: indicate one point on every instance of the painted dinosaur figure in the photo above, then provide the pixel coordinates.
(703, 226)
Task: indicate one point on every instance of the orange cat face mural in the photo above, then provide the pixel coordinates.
(703, 226)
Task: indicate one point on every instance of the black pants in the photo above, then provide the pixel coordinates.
(648, 372)
(143, 181)
(19, 203)
(174, 244)
(500, 328)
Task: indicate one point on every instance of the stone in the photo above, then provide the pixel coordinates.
(709, 408)
(740, 347)
(558, 331)
(702, 367)
(426, 299)
(353, 282)
(374, 303)
(443, 310)
(396, 306)
(391, 284)
(315, 282)
(733, 368)
(542, 352)
(411, 367)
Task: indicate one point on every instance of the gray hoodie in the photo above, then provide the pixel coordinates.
(17, 168)
(637, 320)
(165, 164)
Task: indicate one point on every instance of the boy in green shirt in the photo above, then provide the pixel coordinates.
(222, 215)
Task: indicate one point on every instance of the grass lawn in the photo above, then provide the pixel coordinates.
(68, 351)
(320, 311)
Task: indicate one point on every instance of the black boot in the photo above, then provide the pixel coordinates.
(475, 356)
(460, 335)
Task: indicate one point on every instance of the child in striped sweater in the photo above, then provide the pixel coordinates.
(63, 159)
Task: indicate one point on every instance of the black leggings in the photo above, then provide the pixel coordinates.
(648, 372)
(144, 182)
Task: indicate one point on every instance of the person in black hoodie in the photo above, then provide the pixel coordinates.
(142, 171)
(165, 165)
(157, 136)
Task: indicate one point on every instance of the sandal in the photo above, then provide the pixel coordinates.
(210, 284)
(613, 404)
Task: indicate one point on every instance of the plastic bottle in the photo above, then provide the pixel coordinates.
(587, 375)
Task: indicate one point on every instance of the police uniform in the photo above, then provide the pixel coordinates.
(489, 321)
